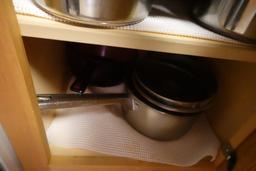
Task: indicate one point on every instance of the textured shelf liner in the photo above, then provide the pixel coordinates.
(163, 24)
(103, 129)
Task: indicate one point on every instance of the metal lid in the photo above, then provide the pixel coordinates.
(174, 85)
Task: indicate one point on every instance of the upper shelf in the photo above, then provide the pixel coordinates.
(44, 28)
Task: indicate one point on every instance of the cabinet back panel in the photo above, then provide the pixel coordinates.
(47, 59)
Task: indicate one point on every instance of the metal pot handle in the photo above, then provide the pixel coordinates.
(55, 101)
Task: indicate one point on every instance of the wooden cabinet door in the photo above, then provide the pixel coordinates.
(19, 113)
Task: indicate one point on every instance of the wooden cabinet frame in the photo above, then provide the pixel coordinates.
(20, 115)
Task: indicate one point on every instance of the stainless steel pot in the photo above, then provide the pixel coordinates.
(153, 121)
(163, 107)
(98, 12)
(233, 18)
(166, 95)
(146, 118)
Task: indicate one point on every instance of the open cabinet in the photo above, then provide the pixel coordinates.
(232, 118)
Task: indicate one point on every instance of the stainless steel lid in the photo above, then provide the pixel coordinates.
(173, 85)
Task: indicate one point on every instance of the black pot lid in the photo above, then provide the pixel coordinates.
(175, 80)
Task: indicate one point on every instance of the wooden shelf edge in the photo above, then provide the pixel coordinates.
(43, 28)
(115, 163)
(85, 159)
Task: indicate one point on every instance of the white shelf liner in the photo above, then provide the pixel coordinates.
(154, 24)
(102, 129)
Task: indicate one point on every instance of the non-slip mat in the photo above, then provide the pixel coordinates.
(163, 23)
(102, 129)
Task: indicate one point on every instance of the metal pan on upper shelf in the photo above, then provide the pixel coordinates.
(104, 13)
(233, 18)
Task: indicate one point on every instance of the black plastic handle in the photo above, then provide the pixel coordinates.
(231, 161)
(83, 80)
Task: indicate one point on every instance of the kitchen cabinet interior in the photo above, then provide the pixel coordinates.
(232, 117)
